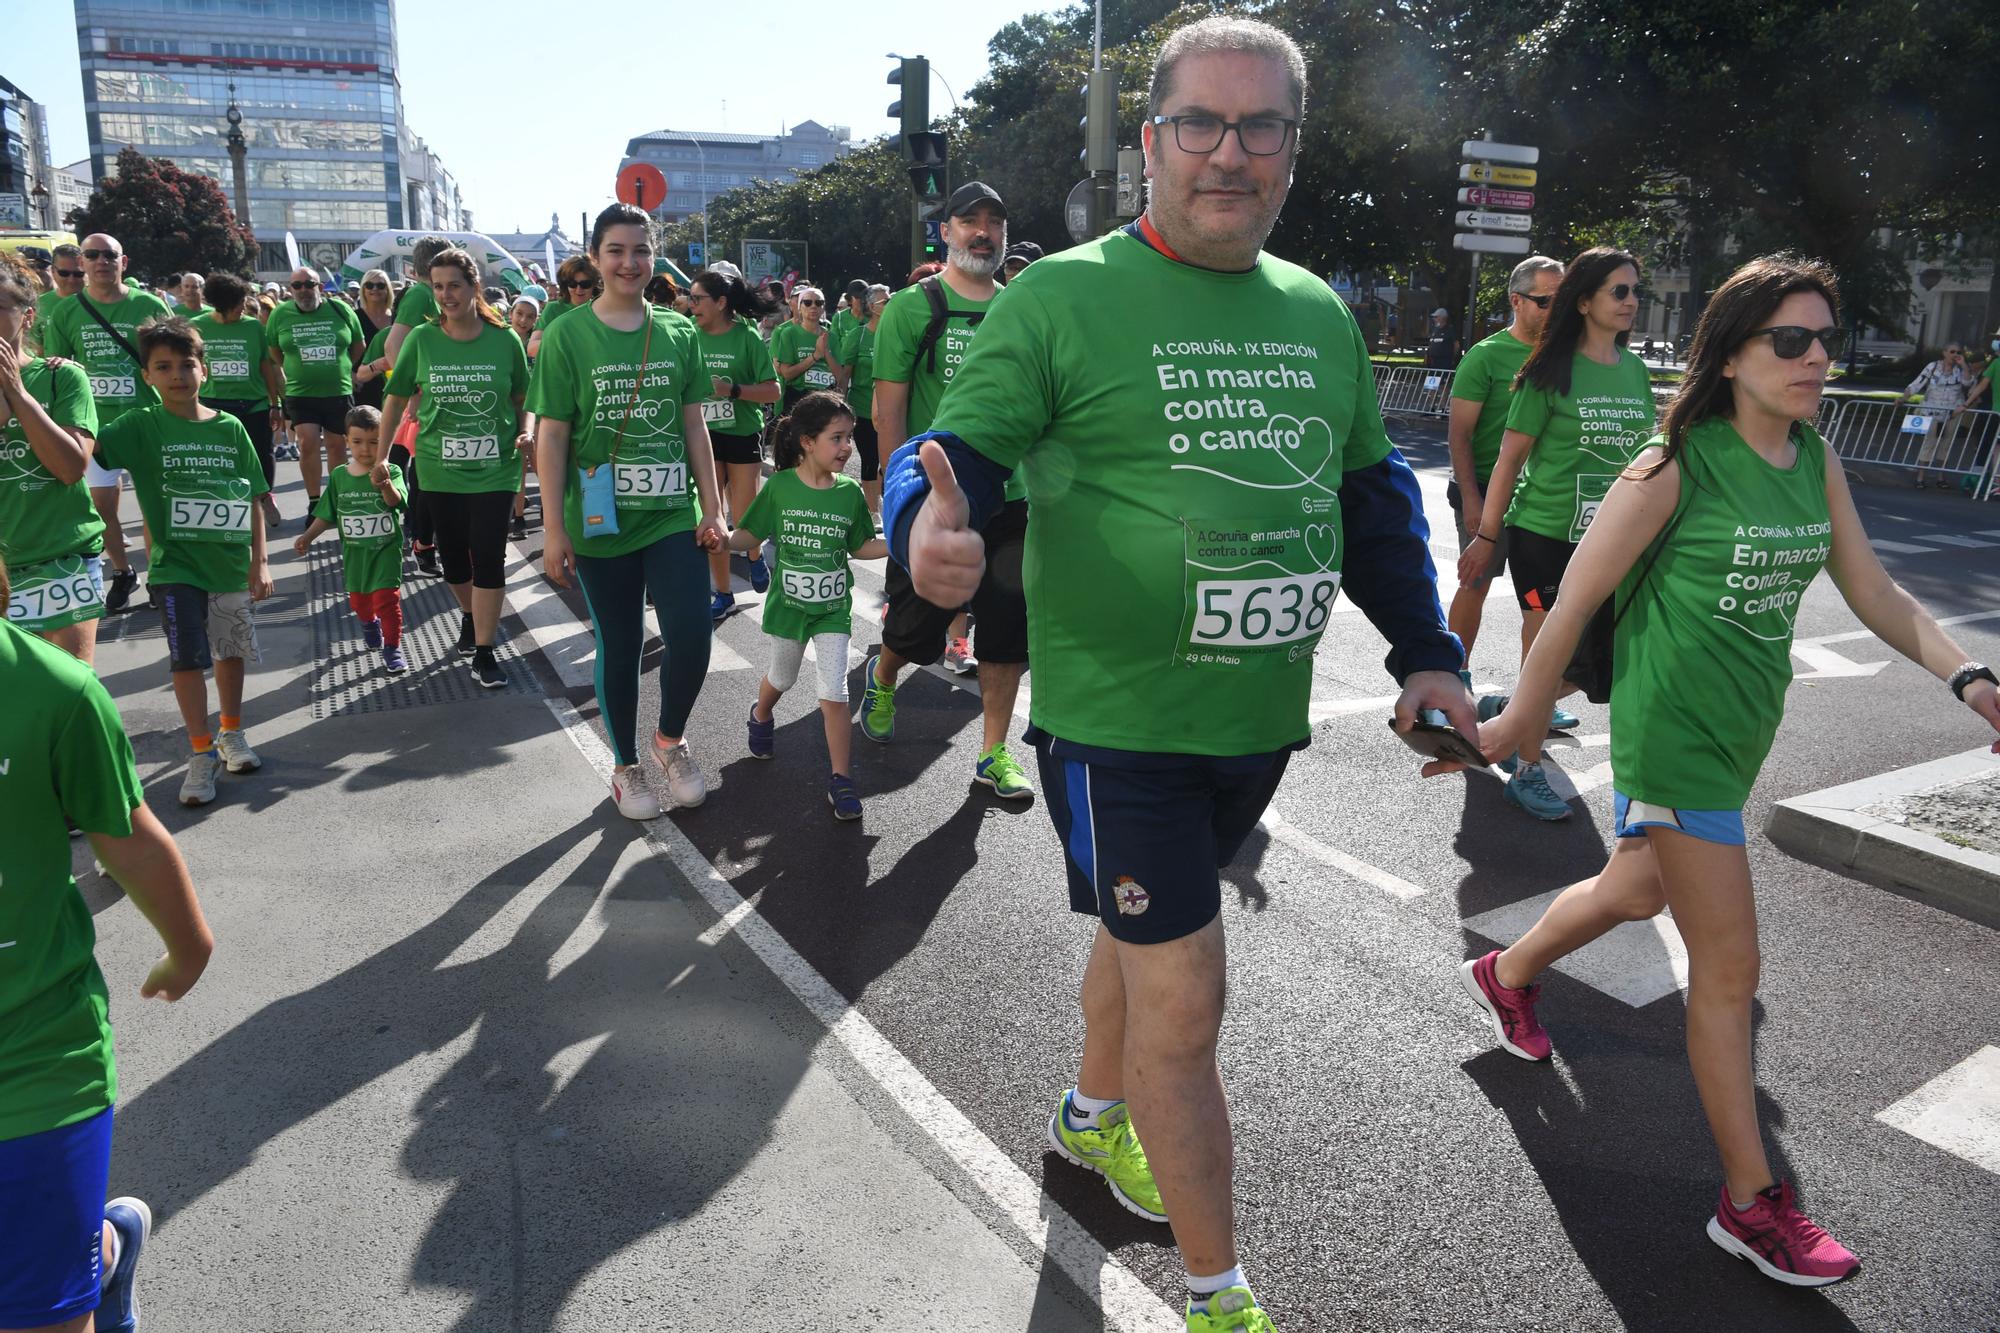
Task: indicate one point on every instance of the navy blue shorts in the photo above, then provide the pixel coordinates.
(1144, 835)
(52, 1189)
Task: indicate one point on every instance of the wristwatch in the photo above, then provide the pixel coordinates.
(1968, 673)
(735, 389)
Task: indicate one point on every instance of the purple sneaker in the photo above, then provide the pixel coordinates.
(394, 662)
(1512, 1011)
(763, 736)
(371, 633)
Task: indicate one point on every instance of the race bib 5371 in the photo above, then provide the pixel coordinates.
(650, 485)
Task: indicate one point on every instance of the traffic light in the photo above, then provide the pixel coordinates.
(1100, 122)
(927, 165)
(913, 76)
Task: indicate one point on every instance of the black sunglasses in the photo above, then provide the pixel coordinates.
(101, 254)
(69, 273)
(303, 286)
(812, 303)
(374, 286)
(580, 286)
(1625, 289)
(1791, 342)
(1540, 301)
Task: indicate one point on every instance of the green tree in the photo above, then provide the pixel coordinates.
(168, 220)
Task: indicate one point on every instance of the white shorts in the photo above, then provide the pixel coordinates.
(829, 652)
(97, 476)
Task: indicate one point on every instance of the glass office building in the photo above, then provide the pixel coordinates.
(315, 81)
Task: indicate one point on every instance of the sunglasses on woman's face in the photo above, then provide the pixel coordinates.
(581, 286)
(1625, 289)
(813, 303)
(374, 286)
(1791, 342)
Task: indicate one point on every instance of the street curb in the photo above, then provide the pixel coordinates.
(1827, 828)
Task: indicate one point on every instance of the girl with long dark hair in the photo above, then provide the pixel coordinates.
(816, 519)
(1705, 546)
(1583, 404)
(743, 380)
(623, 454)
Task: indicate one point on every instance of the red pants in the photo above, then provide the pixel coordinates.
(385, 605)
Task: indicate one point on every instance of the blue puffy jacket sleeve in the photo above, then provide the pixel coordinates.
(1387, 570)
(905, 484)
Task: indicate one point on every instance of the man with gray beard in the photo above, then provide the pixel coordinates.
(920, 343)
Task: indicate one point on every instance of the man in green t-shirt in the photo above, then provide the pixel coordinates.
(912, 370)
(319, 342)
(1198, 428)
(416, 305)
(98, 328)
(1480, 393)
(66, 272)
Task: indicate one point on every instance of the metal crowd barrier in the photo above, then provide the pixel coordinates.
(1413, 391)
(1896, 435)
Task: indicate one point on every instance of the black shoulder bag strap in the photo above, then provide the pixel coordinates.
(941, 313)
(138, 362)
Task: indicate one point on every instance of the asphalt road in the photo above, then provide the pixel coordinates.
(1394, 1171)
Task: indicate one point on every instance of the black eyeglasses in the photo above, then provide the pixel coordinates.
(1791, 342)
(101, 254)
(580, 286)
(69, 273)
(1198, 132)
(304, 286)
(1541, 301)
(1625, 289)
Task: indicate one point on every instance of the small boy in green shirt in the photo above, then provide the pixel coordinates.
(363, 500)
(198, 482)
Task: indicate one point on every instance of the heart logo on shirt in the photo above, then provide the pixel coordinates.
(1323, 545)
(476, 404)
(1313, 452)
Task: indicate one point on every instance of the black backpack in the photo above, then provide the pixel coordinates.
(933, 290)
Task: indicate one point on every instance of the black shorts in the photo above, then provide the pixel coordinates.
(743, 450)
(326, 413)
(471, 531)
(869, 448)
(1144, 835)
(915, 630)
(1538, 564)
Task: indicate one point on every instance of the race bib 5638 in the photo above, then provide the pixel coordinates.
(1258, 593)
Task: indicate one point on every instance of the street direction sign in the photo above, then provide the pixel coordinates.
(1076, 211)
(1485, 150)
(1485, 196)
(1482, 173)
(1492, 245)
(1494, 221)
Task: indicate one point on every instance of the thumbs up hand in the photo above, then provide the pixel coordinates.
(947, 558)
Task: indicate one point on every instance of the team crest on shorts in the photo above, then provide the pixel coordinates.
(1131, 899)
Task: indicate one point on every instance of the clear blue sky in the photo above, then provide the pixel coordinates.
(531, 111)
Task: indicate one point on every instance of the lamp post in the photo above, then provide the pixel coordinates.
(41, 197)
(237, 150)
(702, 157)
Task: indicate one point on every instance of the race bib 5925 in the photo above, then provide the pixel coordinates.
(114, 386)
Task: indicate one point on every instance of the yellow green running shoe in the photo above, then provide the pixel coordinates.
(998, 770)
(1111, 1150)
(878, 704)
(1231, 1310)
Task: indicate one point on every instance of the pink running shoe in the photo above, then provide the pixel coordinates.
(1512, 1011)
(1780, 1240)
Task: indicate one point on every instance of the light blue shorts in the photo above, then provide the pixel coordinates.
(1632, 818)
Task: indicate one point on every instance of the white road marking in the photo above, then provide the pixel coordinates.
(1638, 962)
(1958, 1111)
(1282, 830)
(1826, 664)
(1887, 547)
(1320, 710)
(1853, 634)
(1953, 539)
(1127, 1303)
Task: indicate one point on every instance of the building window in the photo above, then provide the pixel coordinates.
(810, 157)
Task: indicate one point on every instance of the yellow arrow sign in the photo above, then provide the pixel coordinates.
(1485, 173)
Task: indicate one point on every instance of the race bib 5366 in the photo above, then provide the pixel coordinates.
(814, 586)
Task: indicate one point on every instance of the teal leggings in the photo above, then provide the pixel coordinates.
(675, 571)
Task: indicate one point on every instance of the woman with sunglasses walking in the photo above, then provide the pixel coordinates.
(624, 454)
(800, 348)
(743, 381)
(577, 285)
(1708, 542)
(1582, 406)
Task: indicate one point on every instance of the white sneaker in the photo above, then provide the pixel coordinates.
(684, 780)
(198, 787)
(236, 752)
(958, 656)
(629, 792)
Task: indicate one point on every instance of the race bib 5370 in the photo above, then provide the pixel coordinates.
(367, 527)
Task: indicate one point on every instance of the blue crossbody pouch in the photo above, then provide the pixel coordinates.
(597, 487)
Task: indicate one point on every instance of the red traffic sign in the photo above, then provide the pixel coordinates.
(641, 185)
(1486, 196)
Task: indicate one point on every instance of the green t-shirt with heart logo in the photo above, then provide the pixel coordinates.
(1583, 440)
(115, 379)
(467, 420)
(40, 518)
(586, 375)
(235, 353)
(739, 356)
(314, 344)
(813, 532)
(63, 755)
(197, 483)
(371, 532)
(793, 343)
(1183, 435)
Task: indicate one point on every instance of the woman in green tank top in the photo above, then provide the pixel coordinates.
(1709, 541)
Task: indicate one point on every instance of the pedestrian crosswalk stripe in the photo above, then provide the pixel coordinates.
(1958, 1111)
(1638, 962)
